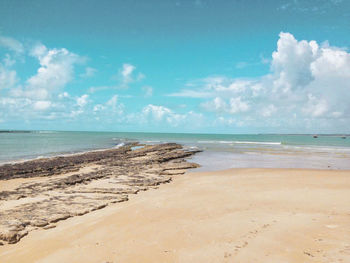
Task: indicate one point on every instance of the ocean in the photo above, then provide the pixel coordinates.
(220, 151)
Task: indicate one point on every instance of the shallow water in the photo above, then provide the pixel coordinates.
(220, 150)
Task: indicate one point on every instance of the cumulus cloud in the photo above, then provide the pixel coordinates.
(307, 81)
(157, 114)
(315, 107)
(127, 75)
(55, 72)
(238, 105)
(307, 86)
(217, 105)
(63, 95)
(109, 109)
(42, 105)
(291, 62)
(82, 100)
(126, 72)
(233, 106)
(41, 95)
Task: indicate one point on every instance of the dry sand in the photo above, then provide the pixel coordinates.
(237, 215)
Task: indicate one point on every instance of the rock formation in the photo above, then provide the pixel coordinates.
(41, 192)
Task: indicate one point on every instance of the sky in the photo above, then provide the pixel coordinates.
(202, 66)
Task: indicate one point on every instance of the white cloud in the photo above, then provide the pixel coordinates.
(114, 106)
(306, 79)
(98, 107)
(42, 105)
(12, 44)
(212, 86)
(157, 114)
(110, 108)
(291, 62)
(125, 76)
(41, 96)
(100, 88)
(268, 111)
(55, 72)
(82, 100)
(315, 107)
(148, 91)
(191, 94)
(127, 71)
(238, 105)
(8, 78)
(308, 85)
(217, 105)
(89, 72)
(75, 113)
(63, 95)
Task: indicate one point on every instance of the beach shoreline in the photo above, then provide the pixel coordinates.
(18, 148)
(236, 215)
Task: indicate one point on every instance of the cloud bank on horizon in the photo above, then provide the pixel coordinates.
(307, 89)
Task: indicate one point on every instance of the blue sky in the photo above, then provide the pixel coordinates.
(176, 66)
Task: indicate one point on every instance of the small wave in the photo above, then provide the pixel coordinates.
(249, 142)
(120, 145)
(45, 132)
(206, 141)
(317, 148)
(241, 142)
(191, 148)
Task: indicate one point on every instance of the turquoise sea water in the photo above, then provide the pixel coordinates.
(220, 150)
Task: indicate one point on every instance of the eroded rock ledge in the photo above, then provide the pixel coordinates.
(39, 193)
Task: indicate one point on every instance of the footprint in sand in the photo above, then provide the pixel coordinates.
(250, 235)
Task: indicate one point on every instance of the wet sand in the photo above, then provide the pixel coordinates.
(237, 215)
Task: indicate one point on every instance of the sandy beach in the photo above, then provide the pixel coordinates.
(162, 131)
(237, 215)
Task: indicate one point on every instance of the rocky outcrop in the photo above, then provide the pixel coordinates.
(53, 189)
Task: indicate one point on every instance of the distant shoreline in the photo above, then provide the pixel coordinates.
(192, 133)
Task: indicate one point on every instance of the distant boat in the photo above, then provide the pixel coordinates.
(315, 136)
(344, 137)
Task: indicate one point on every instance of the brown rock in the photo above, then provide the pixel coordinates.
(78, 184)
